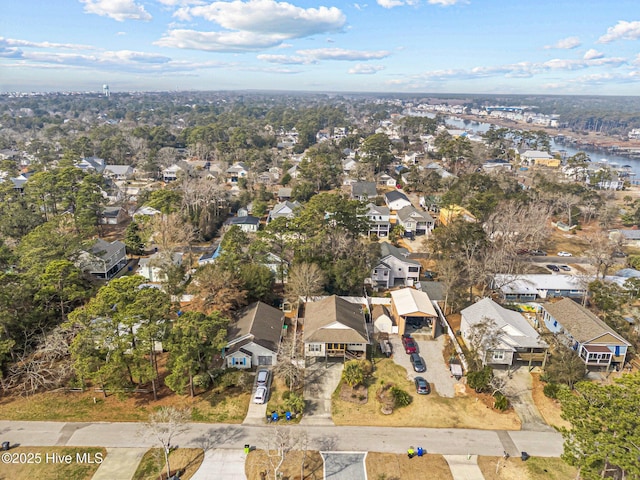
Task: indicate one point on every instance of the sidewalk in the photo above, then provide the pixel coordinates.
(120, 463)
(464, 467)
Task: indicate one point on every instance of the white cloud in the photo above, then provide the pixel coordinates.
(396, 3)
(119, 10)
(446, 3)
(271, 17)
(365, 69)
(286, 59)
(592, 54)
(175, 3)
(14, 42)
(360, 6)
(621, 31)
(121, 33)
(218, 41)
(342, 54)
(565, 44)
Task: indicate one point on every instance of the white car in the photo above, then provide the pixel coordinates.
(260, 396)
(564, 254)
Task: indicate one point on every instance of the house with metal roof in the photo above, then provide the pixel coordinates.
(335, 327)
(396, 200)
(394, 269)
(254, 337)
(595, 342)
(413, 311)
(247, 223)
(527, 288)
(508, 337)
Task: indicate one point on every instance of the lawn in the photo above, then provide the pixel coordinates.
(217, 405)
(535, 468)
(257, 463)
(390, 466)
(50, 468)
(425, 410)
(549, 408)
(184, 461)
(276, 392)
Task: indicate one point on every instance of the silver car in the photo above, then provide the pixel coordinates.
(260, 396)
(262, 378)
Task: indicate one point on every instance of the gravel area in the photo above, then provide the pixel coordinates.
(437, 373)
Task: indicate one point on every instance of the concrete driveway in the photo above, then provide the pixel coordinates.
(320, 381)
(119, 463)
(344, 465)
(222, 464)
(437, 373)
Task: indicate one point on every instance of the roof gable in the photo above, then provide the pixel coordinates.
(334, 319)
(408, 301)
(261, 322)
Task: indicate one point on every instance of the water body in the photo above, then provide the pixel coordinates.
(594, 155)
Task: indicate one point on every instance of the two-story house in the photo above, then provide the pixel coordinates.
(394, 269)
(414, 221)
(378, 220)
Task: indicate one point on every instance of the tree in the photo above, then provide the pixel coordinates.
(216, 289)
(376, 150)
(132, 239)
(482, 339)
(194, 341)
(164, 424)
(258, 281)
(305, 280)
(480, 379)
(604, 438)
(564, 365)
(62, 286)
(287, 366)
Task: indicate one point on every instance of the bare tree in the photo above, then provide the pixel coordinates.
(601, 252)
(278, 443)
(164, 424)
(482, 338)
(287, 366)
(305, 280)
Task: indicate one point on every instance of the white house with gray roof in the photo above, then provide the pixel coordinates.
(415, 221)
(378, 220)
(285, 209)
(507, 336)
(363, 191)
(396, 200)
(394, 269)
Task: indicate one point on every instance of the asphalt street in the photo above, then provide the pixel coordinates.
(323, 438)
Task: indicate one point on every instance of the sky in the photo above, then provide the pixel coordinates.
(416, 46)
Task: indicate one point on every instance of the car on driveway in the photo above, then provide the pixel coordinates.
(422, 386)
(262, 378)
(553, 268)
(260, 396)
(566, 268)
(418, 363)
(538, 253)
(409, 344)
(564, 254)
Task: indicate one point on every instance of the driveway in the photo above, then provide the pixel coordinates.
(464, 467)
(437, 374)
(344, 465)
(120, 463)
(221, 464)
(257, 413)
(320, 381)
(518, 390)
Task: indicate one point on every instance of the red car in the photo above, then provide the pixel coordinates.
(409, 344)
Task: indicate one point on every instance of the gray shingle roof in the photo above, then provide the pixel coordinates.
(410, 211)
(261, 321)
(387, 249)
(364, 188)
(331, 310)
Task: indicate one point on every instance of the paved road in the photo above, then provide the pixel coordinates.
(324, 438)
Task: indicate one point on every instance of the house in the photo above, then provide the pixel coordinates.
(92, 164)
(394, 269)
(413, 309)
(104, 259)
(112, 216)
(235, 172)
(540, 159)
(247, 224)
(414, 221)
(385, 180)
(284, 193)
(153, 268)
(396, 200)
(597, 344)
(378, 220)
(170, 174)
(383, 321)
(20, 181)
(285, 209)
(118, 172)
(294, 172)
(254, 337)
(363, 191)
(278, 265)
(348, 166)
(146, 211)
(530, 287)
(334, 327)
(450, 213)
(630, 238)
(496, 165)
(508, 336)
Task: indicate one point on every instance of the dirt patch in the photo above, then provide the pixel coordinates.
(183, 461)
(549, 408)
(258, 463)
(358, 394)
(391, 466)
(535, 468)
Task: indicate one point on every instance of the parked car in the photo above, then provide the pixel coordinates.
(538, 253)
(422, 386)
(566, 268)
(418, 363)
(262, 378)
(564, 254)
(553, 268)
(409, 344)
(619, 254)
(523, 251)
(260, 396)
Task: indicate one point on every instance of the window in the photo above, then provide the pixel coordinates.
(498, 355)
(315, 347)
(239, 361)
(414, 269)
(386, 274)
(375, 272)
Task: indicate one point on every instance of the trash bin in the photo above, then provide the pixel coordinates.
(420, 451)
(274, 417)
(288, 415)
(6, 446)
(247, 448)
(524, 456)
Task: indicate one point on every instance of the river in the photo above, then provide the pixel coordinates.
(568, 150)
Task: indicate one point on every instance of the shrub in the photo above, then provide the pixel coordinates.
(400, 397)
(478, 380)
(501, 402)
(353, 374)
(551, 390)
(202, 380)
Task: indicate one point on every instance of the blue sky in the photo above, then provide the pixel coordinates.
(440, 46)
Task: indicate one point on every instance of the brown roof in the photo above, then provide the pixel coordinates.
(325, 320)
(260, 321)
(580, 322)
